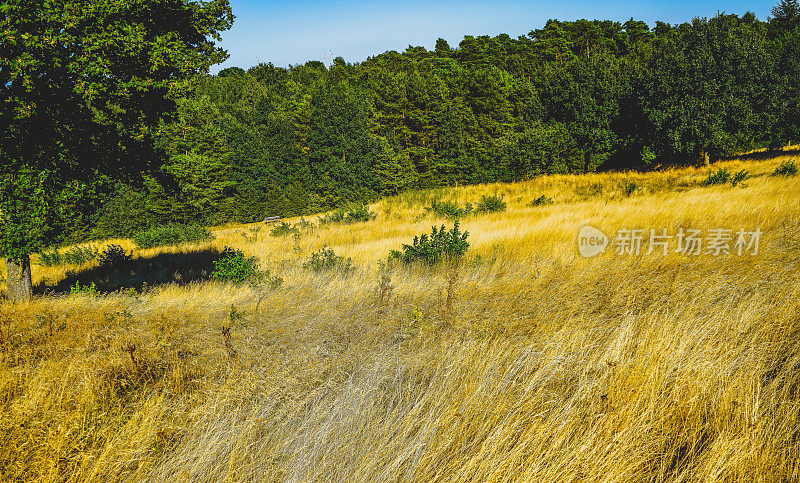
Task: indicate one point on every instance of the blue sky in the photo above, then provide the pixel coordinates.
(293, 32)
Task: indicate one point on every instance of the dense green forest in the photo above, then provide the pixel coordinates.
(568, 97)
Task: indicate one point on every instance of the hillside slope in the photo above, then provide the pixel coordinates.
(527, 362)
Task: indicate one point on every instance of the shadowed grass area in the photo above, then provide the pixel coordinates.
(149, 271)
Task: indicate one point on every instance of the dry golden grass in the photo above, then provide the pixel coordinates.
(544, 366)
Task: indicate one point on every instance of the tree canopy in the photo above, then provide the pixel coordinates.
(83, 86)
(86, 91)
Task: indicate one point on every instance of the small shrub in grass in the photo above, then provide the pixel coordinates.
(720, 176)
(629, 187)
(283, 229)
(348, 214)
(449, 209)
(79, 289)
(327, 259)
(304, 225)
(170, 235)
(541, 201)
(113, 255)
(738, 178)
(786, 168)
(490, 204)
(440, 246)
(234, 266)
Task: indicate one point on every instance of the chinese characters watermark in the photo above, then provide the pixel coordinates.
(689, 242)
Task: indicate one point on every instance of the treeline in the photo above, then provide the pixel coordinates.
(569, 97)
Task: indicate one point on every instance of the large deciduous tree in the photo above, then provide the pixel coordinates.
(83, 84)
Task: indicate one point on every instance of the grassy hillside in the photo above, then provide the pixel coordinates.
(527, 362)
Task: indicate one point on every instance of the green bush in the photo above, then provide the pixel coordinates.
(234, 266)
(786, 168)
(79, 289)
(80, 255)
(283, 229)
(449, 209)
(541, 201)
(74, 256)
(304, 225)
(50, 258)
(112, 255)
(348, 214)
(490, 204)
(326, 259)
(720, 176)
(739, 178)
(441, 246)
(170, 235)
(629, 187)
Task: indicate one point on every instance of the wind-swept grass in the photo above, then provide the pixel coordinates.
(524, 363)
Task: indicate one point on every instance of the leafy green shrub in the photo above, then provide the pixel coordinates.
(50, 258)
(326, 259)
(283, 229)
(79, 289)
(234, 266)
(541, 201)
(629, 187)
(786, 168)
(74, 256)
(348, 214)
(490, 204)
(112, 255)
(441, 246)
(170, 235)
(739, 178)
(80, 255)
(304, 225)
(449, 209)
(720, 176)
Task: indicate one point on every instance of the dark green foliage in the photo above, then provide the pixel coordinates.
(441, 246)
(82, 84)
(541, 201)
(89, 289)
(720, 176)
(449, 209)
(234, 266)
(76, 255)
(113, 255)
(490, 204)
(50, 258)
(348, 214)
(79, 255)
(325, 259)
(629, 187)
(739, 177)
(786, 168)
(569, 97)
(723, 176)
(172, 234)
(283, 229)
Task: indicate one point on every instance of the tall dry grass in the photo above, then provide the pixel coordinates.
(526, 363)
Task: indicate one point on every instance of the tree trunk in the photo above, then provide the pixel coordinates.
(19, 282)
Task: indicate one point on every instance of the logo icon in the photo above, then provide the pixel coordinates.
(591, 241)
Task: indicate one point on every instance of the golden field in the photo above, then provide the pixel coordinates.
(525, 363)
